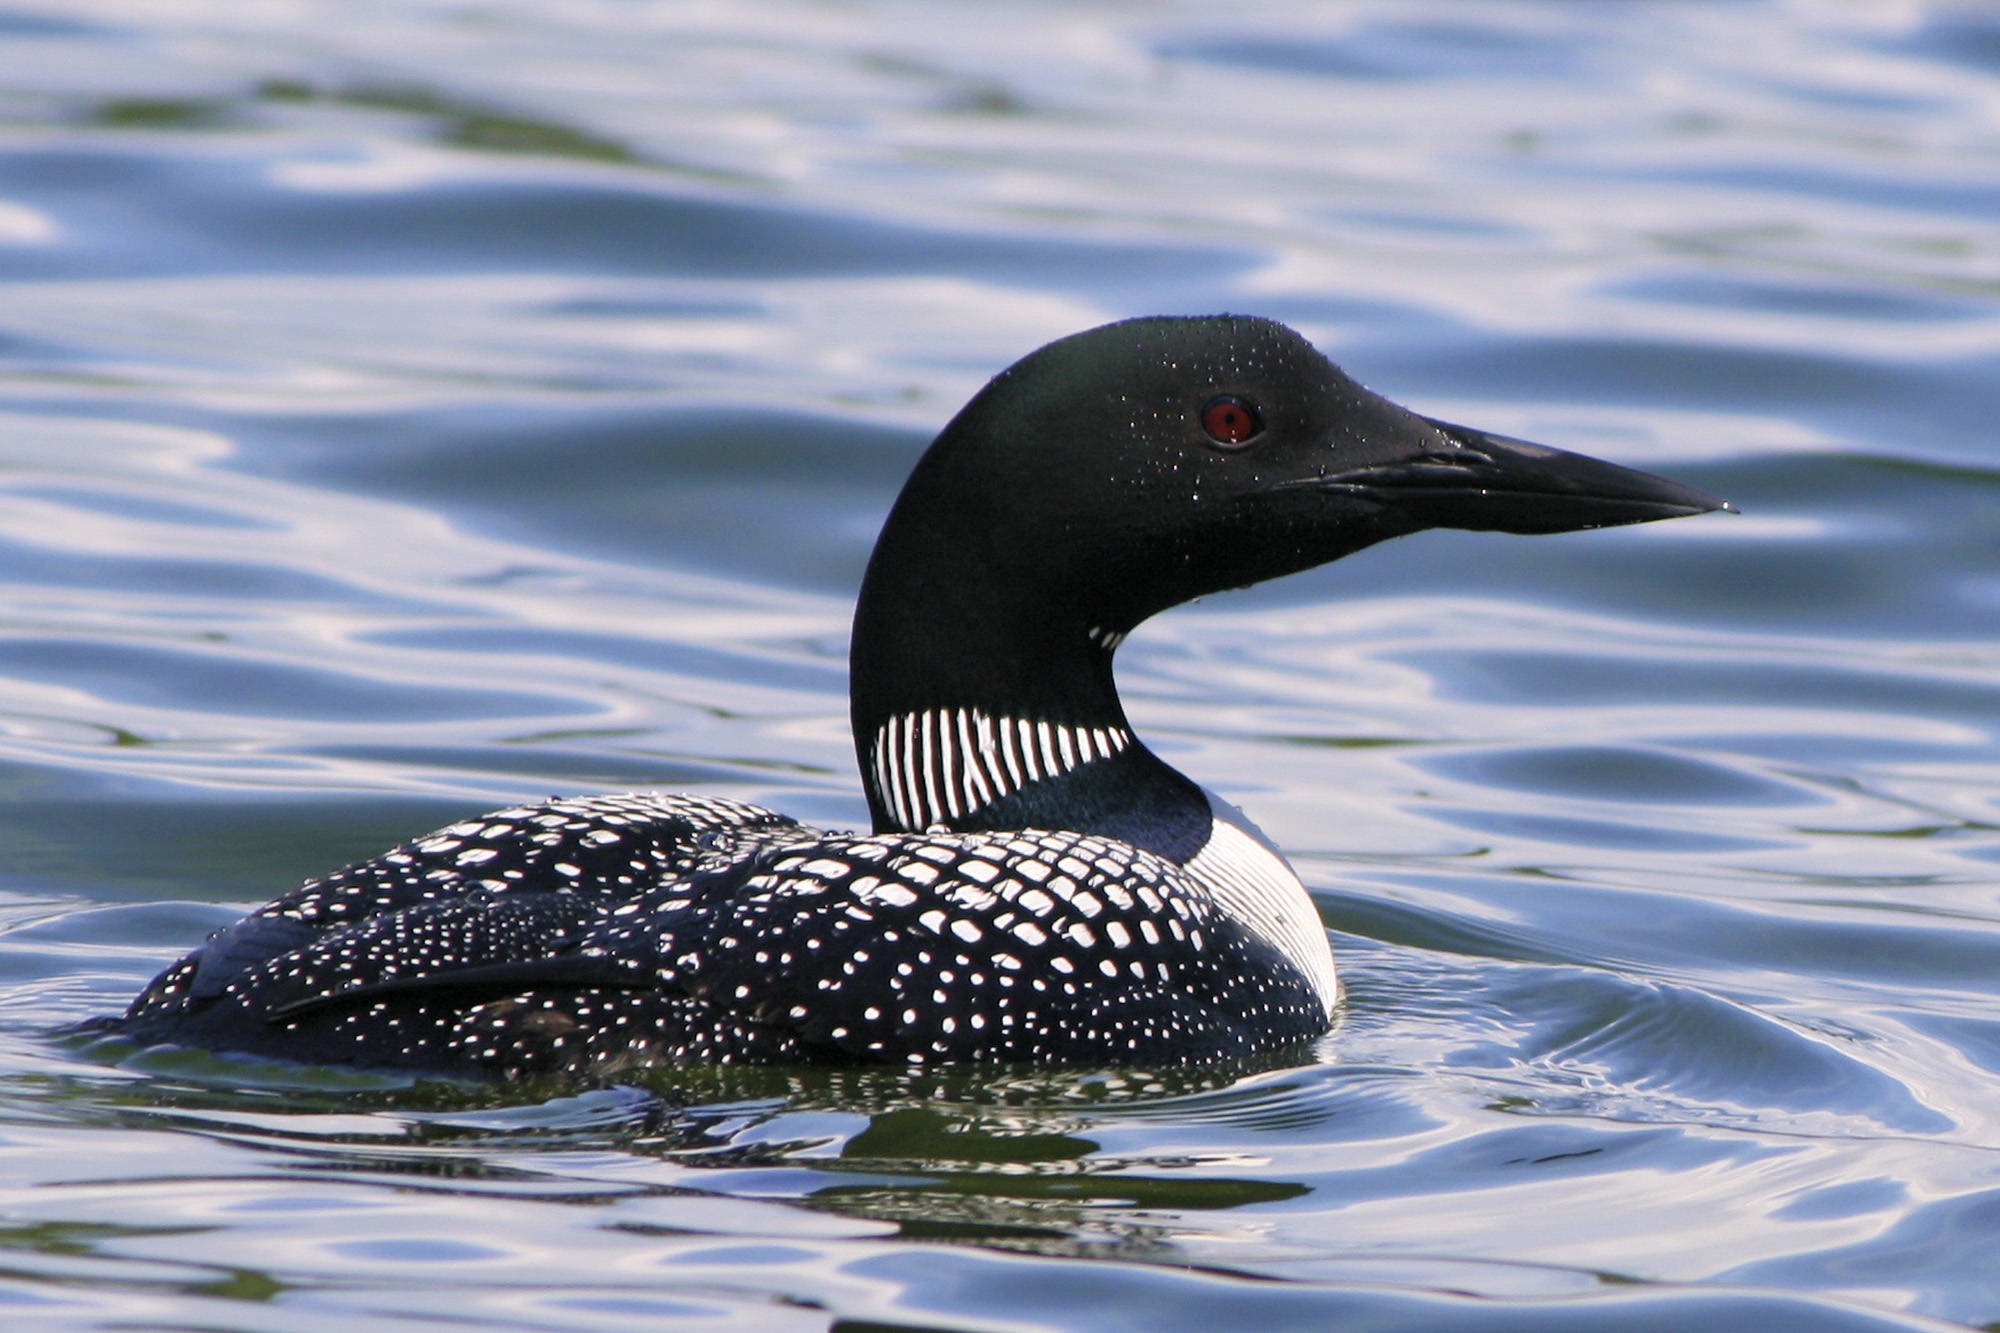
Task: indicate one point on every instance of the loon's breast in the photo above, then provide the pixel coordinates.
(1251, 881)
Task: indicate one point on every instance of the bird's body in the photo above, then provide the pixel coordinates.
(1038, 886)
(689, 929)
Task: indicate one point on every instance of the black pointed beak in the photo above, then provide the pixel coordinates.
(1490, 483)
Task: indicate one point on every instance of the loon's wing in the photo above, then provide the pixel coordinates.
(568, 971)
(607, 846)
(395, 988)
(469, 948)
(605, 849)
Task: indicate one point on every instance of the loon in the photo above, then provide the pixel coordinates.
(1039, 886)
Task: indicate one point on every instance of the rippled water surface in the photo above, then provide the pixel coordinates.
(410, 408)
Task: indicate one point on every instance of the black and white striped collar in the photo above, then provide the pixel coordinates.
(942, 764)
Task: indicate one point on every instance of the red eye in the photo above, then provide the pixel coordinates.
(1230, 420)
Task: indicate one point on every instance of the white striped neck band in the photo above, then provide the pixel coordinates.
(944, 763)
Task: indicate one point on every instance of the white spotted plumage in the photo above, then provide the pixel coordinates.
(682, 929)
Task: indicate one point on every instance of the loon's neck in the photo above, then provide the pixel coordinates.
(976, 707)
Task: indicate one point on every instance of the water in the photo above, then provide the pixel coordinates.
(412, 408)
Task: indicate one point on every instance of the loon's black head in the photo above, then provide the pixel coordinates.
(1124, 470)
